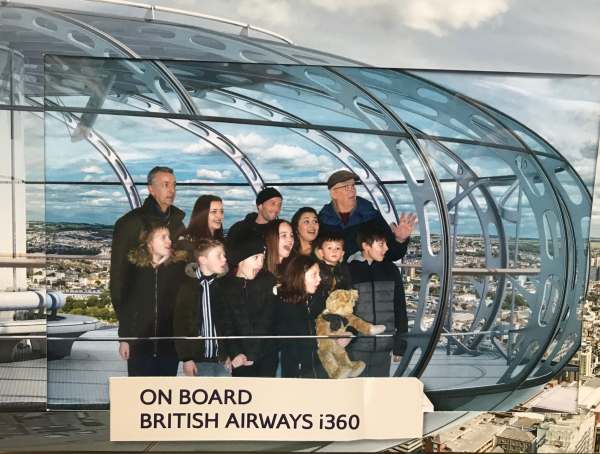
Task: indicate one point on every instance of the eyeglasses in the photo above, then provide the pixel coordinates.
(346, 187)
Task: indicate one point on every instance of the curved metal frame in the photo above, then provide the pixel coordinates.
(489, 113)
(468, 181)
(341, 152)
(212, 136)
(430, 190)
(530, 364)
(105, 149)
(544, 369)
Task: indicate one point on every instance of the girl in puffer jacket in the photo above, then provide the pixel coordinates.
(148, 302)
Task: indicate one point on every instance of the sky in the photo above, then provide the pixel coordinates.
(487, 35)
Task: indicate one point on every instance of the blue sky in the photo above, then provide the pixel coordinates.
(468, 35)
(559, 108)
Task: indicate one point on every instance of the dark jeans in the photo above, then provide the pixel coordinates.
(211, 369)
(146, 365)
(301, 364)
(377, 364)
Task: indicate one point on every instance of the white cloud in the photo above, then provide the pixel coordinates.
(92, 169)
(250, 140)
(212, 174)
(277, 12)
(234, 194)
(201, 148)
(92, 193)
(437, 17)
(100, 202)
(292, 156)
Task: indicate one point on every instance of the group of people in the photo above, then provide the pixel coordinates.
(228, 306)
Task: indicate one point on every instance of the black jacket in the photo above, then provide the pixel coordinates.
(246, 308)
(245, 228)
(126, 238)
(147, 307)
(298, 356)
(332, 278)
(381, 301)
(188, 312)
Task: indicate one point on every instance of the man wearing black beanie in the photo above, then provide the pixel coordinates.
(268, 206)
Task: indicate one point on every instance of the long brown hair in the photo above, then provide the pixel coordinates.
(198, 225)
(272, 242)
(296, 221)
(292, 283)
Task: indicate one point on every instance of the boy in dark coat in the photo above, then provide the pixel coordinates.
(381, 301)
(247, 299)
(196, 313)
(335, 274)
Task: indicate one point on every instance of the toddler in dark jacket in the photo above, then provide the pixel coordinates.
(381, 301)
(335, 274)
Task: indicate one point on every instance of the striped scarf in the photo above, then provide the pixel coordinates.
(206, 325)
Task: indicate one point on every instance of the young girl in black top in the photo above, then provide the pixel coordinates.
(294, 318)
(148, 304)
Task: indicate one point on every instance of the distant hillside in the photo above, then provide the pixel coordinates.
(68, 238)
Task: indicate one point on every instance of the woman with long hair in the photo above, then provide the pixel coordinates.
(206, 221)
(305, 224)
(279, 240)
(149, 296)
(300, 281)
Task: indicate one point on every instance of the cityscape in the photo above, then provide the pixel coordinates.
(560, 418)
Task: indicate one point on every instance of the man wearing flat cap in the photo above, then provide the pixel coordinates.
(347, 213)
(268, 207)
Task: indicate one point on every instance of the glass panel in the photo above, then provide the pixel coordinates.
(23, 300)
(497, 196)
(377, 152)
(157, 40)
(281, 154)
(428, 108)
(5, 76)
(86, 82)
(68, 205)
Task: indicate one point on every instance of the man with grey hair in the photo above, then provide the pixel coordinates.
(158, 208)
(347, 213)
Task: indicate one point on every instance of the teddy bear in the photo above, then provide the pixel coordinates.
(338, 314)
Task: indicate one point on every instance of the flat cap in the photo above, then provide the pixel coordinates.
(339, 176)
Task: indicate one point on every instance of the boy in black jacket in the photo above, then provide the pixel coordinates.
(196, 313)
(335, 274)
(381, 301)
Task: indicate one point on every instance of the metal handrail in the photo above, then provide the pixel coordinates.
(153, 9)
